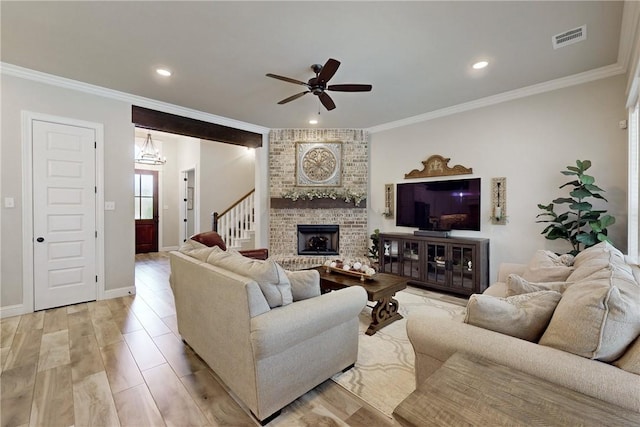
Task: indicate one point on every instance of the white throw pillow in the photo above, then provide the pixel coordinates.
(597, 251)
(598, 317)
(304, 284)
(630, 361)
(596, 260)
(546, 266)
(271, 278)
(522, 316)
(195, 250)
(516, 285)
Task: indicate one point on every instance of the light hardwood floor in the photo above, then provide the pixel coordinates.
(122, 362)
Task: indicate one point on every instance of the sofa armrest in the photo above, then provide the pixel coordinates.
(507, 268)
(255, 253)
(434, 340)
(284, 327)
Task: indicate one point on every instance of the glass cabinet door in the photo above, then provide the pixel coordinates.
(389, 256)
(436, 263)
(410, 259)
(462, 268)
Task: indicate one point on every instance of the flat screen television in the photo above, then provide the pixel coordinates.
(439, 205)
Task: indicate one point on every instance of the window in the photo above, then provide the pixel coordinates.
(143, 196)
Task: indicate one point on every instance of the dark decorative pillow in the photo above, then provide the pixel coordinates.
(210, 238)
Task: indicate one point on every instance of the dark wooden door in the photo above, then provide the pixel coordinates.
(146, 210)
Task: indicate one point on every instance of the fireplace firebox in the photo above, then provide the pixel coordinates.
(318, 239)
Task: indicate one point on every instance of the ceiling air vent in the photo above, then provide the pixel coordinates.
(569, 37)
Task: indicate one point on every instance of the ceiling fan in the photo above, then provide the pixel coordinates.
(318, 85)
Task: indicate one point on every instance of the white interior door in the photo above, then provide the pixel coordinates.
(64, 214)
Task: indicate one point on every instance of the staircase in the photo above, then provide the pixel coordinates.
(236, 225)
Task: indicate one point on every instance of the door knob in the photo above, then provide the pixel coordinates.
(40, 239)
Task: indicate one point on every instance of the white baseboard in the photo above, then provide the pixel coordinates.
(120, 292)
(12, 310)
(169, 248)
(19, 309)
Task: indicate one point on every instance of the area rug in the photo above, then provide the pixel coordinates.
(384, 373)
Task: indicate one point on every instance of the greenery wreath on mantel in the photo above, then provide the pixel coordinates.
(326, 193)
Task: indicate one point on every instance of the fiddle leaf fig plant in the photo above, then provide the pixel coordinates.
(580, 224)
(375, 241)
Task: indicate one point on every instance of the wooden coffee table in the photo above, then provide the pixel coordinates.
(471, 391)
(380, 290)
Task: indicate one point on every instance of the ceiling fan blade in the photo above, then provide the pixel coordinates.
(328, 70)
(291, 98)
(327, 101)
(286, 79)
(350, 88)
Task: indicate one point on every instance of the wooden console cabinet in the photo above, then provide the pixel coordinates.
(452, 264)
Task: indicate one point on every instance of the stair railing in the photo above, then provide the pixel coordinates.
(237, 221)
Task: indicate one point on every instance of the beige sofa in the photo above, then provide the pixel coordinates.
(267, 356)
(616, 381)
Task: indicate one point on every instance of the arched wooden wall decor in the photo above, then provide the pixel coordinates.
(437, 166)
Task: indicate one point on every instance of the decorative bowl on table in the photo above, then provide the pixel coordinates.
(358, 269)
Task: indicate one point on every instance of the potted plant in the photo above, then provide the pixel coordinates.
(580, 224)
(375, 242)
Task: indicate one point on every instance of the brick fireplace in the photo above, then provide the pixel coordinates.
(286, 215)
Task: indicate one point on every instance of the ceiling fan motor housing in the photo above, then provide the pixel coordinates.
(318, 85)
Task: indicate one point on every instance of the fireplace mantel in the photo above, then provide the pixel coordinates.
(282, 203)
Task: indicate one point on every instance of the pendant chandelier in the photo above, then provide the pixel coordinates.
(149, 155)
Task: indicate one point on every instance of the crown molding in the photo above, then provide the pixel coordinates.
(585, 77)
(628, 33)
(576, 79)
(628, 52)
(62, 82)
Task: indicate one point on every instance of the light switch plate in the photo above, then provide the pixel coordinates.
(9, 202)
(109, 206)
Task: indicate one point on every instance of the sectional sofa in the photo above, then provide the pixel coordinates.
(573, 322)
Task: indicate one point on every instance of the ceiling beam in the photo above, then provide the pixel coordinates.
(171, 123)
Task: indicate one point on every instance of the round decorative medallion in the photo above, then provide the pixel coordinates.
(319, 164)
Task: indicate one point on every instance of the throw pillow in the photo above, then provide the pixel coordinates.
(598, 317)
(635, 270)
(601, 260)
(546, 266)
(516, 285)
(522, 316)
(195, 250)
(304, 284)
(597, 251)
(268, 274)
(210, 238)
(630, 361)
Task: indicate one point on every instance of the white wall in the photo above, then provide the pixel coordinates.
(23, 95)
(19, 95)
(170, 201)
(528, 141)
(227, 173)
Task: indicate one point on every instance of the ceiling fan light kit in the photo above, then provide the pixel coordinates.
(318, 85)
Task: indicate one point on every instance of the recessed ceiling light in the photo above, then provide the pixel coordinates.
(163, 72)
(480, 65)
(313, 122)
